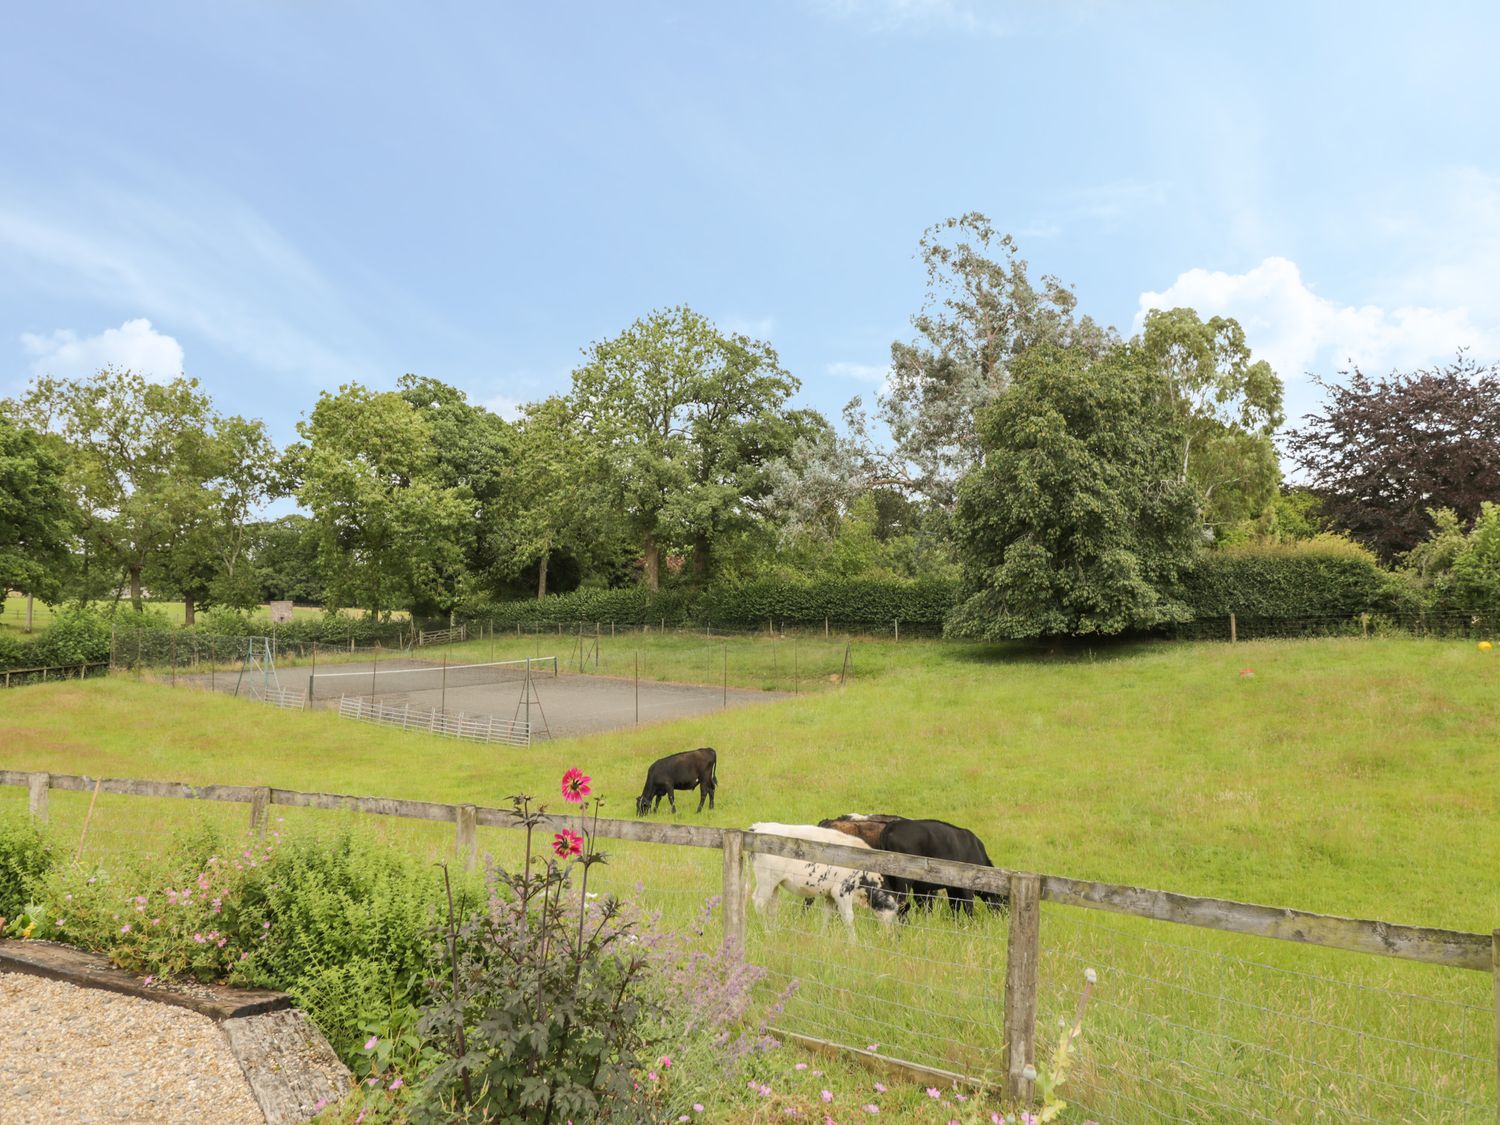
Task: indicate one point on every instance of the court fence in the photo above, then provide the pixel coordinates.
(1253, 1040)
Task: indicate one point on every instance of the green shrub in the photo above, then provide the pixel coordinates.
(749, 605)
(1326, 577)
(25, 860)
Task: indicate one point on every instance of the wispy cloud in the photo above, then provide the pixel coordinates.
(135, 346)
(863, 372)
(897, 15)
(207, 265)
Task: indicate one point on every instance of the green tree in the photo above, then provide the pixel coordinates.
(474, 449)
(982, 312)
(37, 518)
(285, 554)
(143, 459)
(683, 421)
(1230, 405)
(1078, 521)
(1475, 574)
(392, 530)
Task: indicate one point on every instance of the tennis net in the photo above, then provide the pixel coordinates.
(378, 681)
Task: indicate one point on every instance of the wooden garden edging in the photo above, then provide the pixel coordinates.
(1452, 948)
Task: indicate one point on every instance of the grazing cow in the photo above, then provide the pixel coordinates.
(692, 769)
(842, 886)
(861, 826)
(937, 839)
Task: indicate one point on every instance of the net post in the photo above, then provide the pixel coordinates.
(637, 687)
(1021, 963)
(443, 697)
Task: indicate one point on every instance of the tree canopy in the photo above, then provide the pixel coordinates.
(36, 517)
(1078, 522)
(1384, 453)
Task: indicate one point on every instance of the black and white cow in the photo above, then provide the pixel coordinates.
(808, 880)
(692, 769)
(937, 839)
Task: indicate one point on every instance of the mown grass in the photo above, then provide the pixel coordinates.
(42, 615)
(1351, 777)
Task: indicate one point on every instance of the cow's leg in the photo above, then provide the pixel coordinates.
(844, 901)
(765, 889)
(672, 800)
(960, 897)
(702, 796)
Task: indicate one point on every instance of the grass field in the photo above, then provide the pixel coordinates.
(14, 618)
(1351, 777)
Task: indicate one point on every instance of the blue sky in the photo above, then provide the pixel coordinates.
(280, 197)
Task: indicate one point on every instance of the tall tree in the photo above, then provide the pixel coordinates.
(37, 519)
(1078, 522)
(474, 449)
(982, 312)
(681, 416)
(553, 502)
(1384, 454)
(393, 531)
(142, 458)
(1230, 406)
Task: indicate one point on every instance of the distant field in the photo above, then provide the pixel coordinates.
(1346, 776)
(14, 618)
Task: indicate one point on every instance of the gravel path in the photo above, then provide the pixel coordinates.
(85, 1055)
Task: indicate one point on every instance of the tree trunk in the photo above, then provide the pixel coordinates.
(541, 575)
(701, 558)
(651, 563)
(187, 609)
(135, 588)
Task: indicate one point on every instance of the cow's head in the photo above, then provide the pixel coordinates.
(642, 803)
(883, 901)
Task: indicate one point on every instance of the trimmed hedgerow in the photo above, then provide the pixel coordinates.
(845, 601)
(1318, 578)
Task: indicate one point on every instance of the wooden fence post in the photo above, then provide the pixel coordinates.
(260, 805)
(734, 893)
(37, 787)
(1021, 958)
(466, 835)
(1495, 969)
(1233, 630)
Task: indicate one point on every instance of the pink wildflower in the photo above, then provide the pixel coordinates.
(934, 1092)
(826, 1095)
(871, 1107)
(566, 843)
(125, 929)
(148, 981)
(370, 1042)
(575, 786)
(880, 1087)
(396, 1083)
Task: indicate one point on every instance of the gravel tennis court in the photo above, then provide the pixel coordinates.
(570, 704)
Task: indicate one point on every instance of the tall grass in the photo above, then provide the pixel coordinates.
(1352, 777)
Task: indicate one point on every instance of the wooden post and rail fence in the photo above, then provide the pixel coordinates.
(1479, 952)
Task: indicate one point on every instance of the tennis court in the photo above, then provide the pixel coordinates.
(561, 704)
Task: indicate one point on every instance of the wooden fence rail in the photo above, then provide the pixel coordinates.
(56, 671)
(1452, 948)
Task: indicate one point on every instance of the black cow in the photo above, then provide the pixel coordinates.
(937, 839)
(692, 769)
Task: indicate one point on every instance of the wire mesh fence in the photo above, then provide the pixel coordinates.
(1184, 1024)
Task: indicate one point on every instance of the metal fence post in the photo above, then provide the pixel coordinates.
(37, 786)
(466, 835)
(734, 892)
(1021, 958)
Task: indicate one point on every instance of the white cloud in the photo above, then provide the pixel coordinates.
(1298, 331)
(207, 264)
(504, 405)
(864, 372)
(135, 345)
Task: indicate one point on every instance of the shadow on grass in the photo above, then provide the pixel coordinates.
(1057, 650)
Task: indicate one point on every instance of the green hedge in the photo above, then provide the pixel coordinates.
(1316, 579)
(751, 605)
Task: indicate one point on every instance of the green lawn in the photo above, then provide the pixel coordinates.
(14, 618)
(1352, 777)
